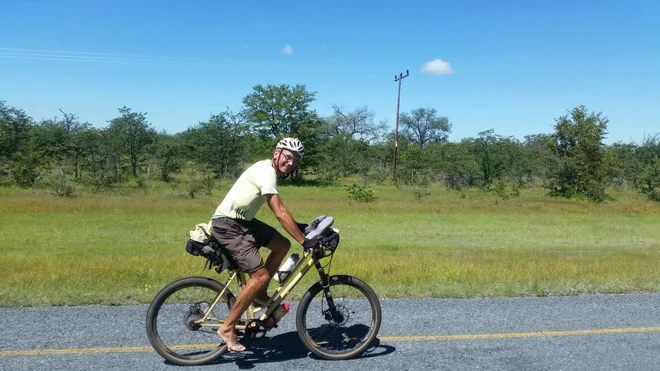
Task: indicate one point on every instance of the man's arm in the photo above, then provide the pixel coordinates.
(285, 218)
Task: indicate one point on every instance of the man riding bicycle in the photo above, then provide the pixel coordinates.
(235, 227)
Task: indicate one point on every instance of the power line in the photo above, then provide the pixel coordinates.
(93, 53)
(94, 57)
(76, 59)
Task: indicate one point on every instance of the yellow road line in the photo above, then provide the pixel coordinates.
(34, 352)
(37, 352)
(521, 334)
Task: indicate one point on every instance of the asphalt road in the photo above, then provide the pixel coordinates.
(601, 332)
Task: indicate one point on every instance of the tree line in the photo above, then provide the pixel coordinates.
(572, 161)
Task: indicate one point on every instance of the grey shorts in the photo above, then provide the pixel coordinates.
(242, 239)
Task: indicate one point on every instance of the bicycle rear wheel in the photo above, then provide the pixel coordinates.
(339, 324)
(173, 321)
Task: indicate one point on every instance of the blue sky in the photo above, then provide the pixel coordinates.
(511, 66)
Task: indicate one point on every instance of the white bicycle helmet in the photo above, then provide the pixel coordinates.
(292, 144)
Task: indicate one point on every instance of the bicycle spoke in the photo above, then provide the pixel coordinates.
(345, 328)
(182, 325)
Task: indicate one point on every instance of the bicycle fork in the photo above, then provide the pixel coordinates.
(330, 314)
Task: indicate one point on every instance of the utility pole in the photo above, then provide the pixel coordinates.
(396, 129)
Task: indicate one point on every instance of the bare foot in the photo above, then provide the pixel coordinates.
(229, 337)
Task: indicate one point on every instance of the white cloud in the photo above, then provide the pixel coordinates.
(287, 49)
(437, 67)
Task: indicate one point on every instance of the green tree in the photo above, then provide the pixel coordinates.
(415, 164)
(14, 127)
(279, 110)
(49, 139)
(74, 145)
(344, 144)
(425, 126)
(134, 135)
(339, 157)
(168, 150)
(459, 165)
(578, 146)
(360, 123)
(620, 163)
(498, 157)
(276, 111)
(26, 167)
(57, 140)
(647, 167)
(536, 157)
(218, 144)
(102, 158)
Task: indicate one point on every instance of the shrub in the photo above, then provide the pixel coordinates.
(360, 193)
(60, 183)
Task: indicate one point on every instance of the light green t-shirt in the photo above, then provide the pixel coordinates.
(248, 194)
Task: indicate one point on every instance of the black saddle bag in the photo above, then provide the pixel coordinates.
(215, 255)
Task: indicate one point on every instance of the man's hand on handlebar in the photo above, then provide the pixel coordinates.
(310, 245)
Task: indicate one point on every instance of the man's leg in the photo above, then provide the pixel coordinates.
(256, 284)
(279, 247)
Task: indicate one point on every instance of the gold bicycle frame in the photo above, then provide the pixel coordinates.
(281, 292)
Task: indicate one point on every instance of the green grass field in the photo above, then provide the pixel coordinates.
(121, 248)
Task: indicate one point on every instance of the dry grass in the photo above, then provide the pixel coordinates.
(122, 248)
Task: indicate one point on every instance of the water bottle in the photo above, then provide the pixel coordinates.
(275, 317)
(281, 311)
(286, 268)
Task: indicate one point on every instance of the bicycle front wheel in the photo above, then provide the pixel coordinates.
(340, 323)
(176, 326)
